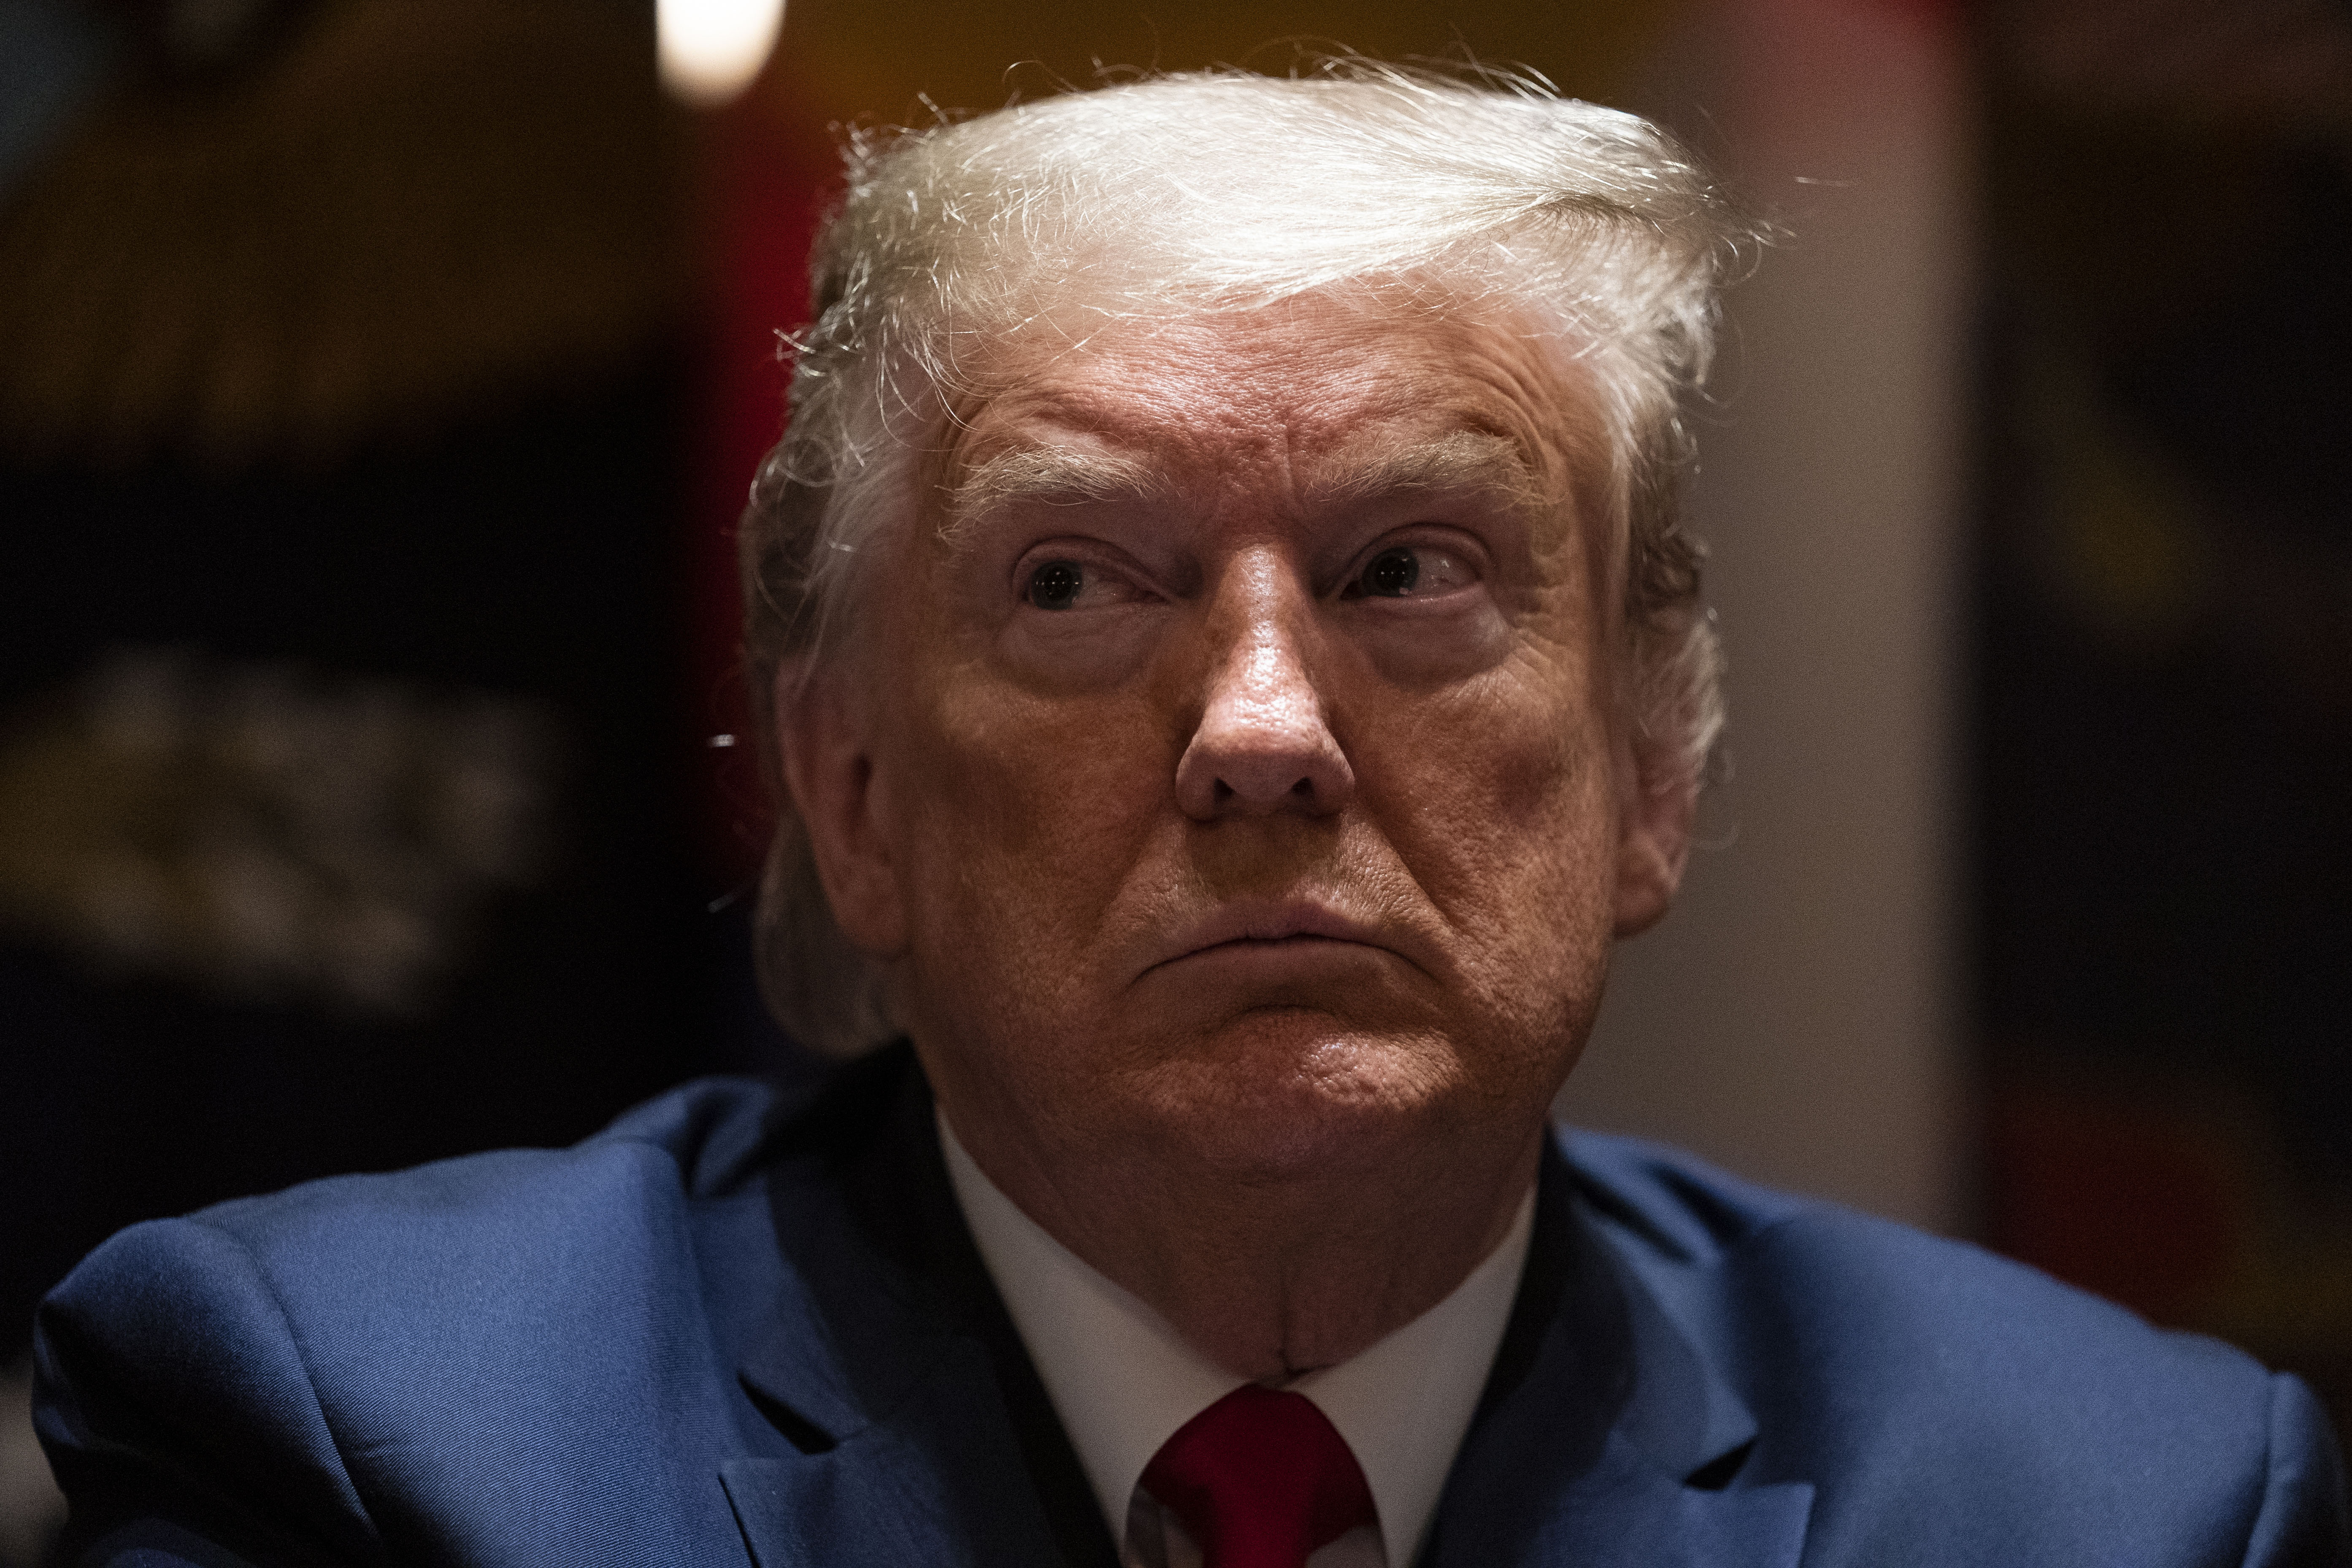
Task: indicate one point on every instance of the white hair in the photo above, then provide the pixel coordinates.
(1224, 191)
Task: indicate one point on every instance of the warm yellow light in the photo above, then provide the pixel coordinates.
(710, 49)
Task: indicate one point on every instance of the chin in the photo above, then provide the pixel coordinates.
(1283, 1092)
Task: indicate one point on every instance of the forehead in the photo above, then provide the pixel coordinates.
(1313, 398)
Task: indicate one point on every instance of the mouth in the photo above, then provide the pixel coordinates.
(1269, 927)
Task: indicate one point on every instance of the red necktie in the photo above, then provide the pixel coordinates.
(1260, 1480)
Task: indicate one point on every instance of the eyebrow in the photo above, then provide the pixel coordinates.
(1463, 460)
(1049, 476)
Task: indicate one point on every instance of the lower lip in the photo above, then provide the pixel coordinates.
(1278, 956)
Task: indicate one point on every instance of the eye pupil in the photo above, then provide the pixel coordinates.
(1056, 585)
(1392, 573)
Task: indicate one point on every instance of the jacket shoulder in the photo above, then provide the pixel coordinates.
(458, 1347)
(522, 1240)
(1933, 1390)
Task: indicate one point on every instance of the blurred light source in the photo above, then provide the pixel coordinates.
(710, 49)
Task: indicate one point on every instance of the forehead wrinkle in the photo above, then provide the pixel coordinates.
(1072, 443)
(1452, 405)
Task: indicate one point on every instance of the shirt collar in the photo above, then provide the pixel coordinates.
(1123, 1381)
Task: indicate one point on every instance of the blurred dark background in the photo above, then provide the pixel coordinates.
(378, 380)
(2162, 703)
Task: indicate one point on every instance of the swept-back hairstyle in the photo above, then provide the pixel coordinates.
(1226, 192)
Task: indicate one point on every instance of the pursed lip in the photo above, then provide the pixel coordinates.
(1263, 921)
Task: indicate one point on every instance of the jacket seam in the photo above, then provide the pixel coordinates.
(302, 1356)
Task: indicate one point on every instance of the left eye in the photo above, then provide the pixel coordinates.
(1409, 571)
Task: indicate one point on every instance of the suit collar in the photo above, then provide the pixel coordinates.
(892, 1365)
(1608, 1432)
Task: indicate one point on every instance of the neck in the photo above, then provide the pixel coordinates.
(1272, 1279)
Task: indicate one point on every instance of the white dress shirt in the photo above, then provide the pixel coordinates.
(1123, 1381)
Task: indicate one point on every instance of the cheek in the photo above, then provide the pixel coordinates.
(1023, 816)
(1504, 810)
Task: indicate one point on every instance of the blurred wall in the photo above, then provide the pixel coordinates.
(1795, 1016)
(2162, 704)
(339, 818)
(900, 64)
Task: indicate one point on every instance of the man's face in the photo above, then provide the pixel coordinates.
(1233, 771)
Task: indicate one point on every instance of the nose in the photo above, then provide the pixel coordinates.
(1264, 742)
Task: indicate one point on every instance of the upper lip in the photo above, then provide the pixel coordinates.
(1267, 921)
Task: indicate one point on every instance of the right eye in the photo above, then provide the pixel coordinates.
(1391, 574)
(1055, 585)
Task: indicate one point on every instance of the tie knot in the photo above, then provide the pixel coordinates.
(1260, 1480)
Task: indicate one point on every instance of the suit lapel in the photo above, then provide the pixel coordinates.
(920, 1431)
(939, 1481)
(1607, 1434)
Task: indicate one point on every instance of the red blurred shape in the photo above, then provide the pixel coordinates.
(2134, 1202)
(767, 169)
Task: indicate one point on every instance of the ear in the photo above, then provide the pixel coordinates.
(1657, 800)
(827, 764)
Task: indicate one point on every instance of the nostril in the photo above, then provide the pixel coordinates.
(1222, 793)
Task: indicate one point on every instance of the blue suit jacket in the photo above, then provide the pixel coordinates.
(726, 1329)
